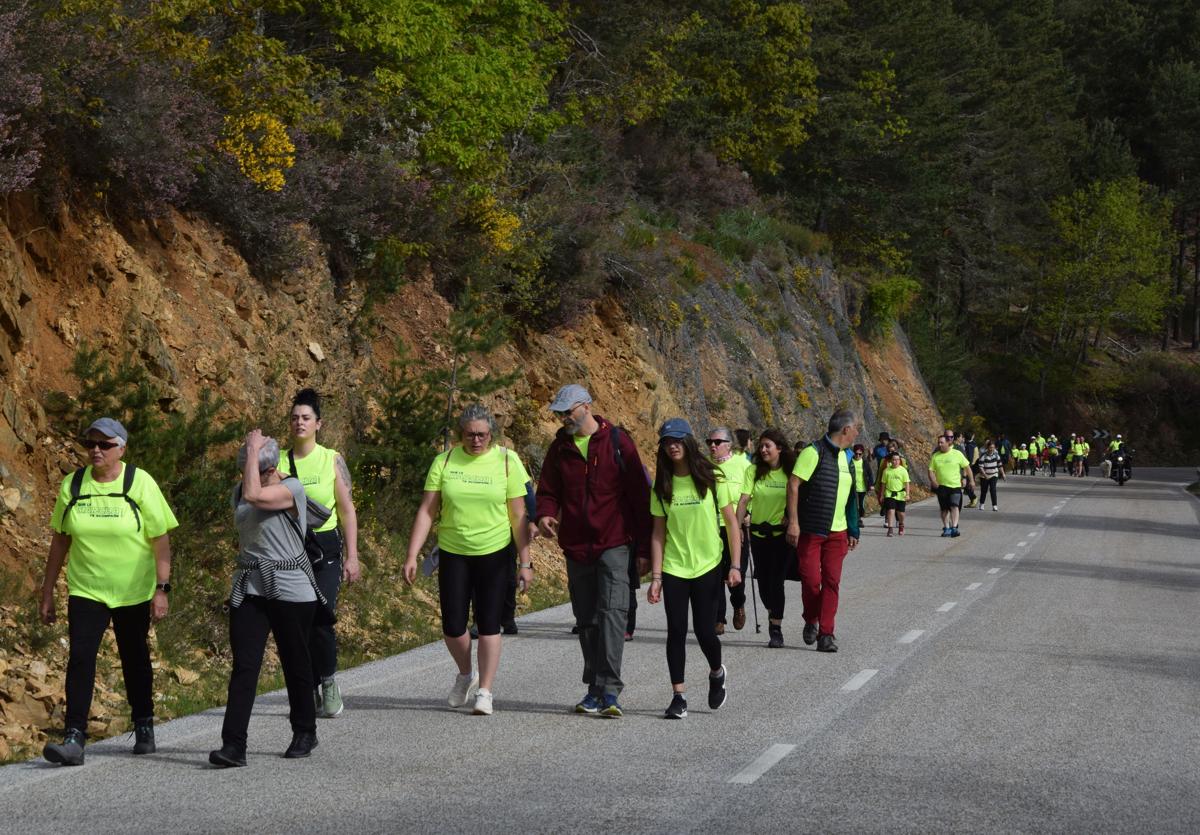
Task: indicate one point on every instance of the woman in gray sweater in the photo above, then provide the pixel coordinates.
(274, 592)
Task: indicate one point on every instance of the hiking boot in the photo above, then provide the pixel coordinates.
(739, 617)
(954, 532)
(716, 689)
(67, 752)
(611, 707)
(677, 709)
(331, 699)
(775, 636)
(228, 756)
(590, 705)
(973, 502)
(509, 627)
(810, 634)
(143, 733)
(483, 703)
(720, 628)
(464, 683)
(826, 643)
(945, 531)
(303, 742)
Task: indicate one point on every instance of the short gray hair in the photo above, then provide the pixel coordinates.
(268, 456)
(840, 419)
(722, 430)
(474, 412)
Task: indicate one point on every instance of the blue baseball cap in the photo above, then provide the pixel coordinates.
(568, 396)
(109, 428)
(675, 428)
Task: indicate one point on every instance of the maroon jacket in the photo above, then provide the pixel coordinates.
(599, 503)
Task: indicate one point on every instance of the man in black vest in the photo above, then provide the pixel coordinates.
(823, 524)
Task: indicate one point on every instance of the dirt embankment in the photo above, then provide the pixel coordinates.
(177, 297)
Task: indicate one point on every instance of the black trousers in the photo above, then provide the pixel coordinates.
(737, 594)
(322, 640)
(700, 593)
(987, 485)
(86, 622)
(771, 555)
(249, 625)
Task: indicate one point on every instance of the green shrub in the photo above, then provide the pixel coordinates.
(888, 298)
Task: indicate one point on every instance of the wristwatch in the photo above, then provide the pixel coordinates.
(165, 588)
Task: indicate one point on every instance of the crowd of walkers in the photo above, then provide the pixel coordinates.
(720, 516)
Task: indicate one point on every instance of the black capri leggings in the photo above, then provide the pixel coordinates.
(701, 593)
(987, 485)
(464, 580)
(771, 554)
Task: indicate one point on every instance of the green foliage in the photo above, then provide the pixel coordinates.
(740, 234)
(763, 401)
(888, 298)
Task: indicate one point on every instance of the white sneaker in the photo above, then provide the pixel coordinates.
(483, 702)
(461, 691)
(995, 508)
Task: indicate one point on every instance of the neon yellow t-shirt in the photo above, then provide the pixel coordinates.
(110, 560)
(895, 480)
(860, 477)
(1079, 450)
(806, 465)
(693, 542)
(947, 467)
(768, 497)
(733, 471)
(581, 443)
(316, 473)
(474, 516)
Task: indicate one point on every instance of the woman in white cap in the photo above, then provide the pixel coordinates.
(685, 555)
(112, 519)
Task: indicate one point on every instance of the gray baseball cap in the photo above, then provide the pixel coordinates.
(109, 428)
(674, 428)
(569, 396)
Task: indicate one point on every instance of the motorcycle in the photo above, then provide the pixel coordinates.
(1122, 465)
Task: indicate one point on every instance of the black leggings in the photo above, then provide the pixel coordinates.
(86, 622)
(771, 554)
(701, 593)
(464, 580)
(985, 485)
(322, 640)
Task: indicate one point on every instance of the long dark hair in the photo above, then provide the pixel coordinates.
(787, 455)
(704, 475)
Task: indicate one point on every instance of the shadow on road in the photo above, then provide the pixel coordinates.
(1151, 577)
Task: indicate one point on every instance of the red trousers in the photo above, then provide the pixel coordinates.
(821, 560)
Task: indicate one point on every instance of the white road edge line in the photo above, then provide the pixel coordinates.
(946, 607)
(910, 636)
(974, 586)
(993, 571)
(859, 680)
(762, 764)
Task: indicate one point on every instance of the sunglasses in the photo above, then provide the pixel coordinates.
(104, 445)
(476, 436)
(716, 441)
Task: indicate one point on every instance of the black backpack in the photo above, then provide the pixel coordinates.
(126, 486)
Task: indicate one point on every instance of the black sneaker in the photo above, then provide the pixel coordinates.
(143, 733)
(302, 745)
(826, 643)
(810, 634)
(954, 532)
(716, 689)
(677, 709)
(775, 631)
(228, 756)
(69, 751)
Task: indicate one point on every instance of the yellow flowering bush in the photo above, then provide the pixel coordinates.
(260, 145)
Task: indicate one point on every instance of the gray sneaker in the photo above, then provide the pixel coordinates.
(331, 699)
(69, 751)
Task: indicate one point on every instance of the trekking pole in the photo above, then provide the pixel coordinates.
(753, 578)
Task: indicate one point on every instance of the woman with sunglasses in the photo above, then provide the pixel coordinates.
(685, 555)
(764, 499)
(326, 480)
(732, 469)
(112, 519)
(476, 491)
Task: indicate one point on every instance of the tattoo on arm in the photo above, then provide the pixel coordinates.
(342, 470)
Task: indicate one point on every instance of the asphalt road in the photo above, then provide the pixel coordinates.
(1039, 674)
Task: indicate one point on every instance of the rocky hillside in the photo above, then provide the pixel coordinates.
(750, 345)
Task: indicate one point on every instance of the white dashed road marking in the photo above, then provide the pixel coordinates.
(859, 680)
(1010, 556)
(946, 607)
(974, 586)
(993, 571)
(1022, 544)
(911, 635)
(763, 763)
